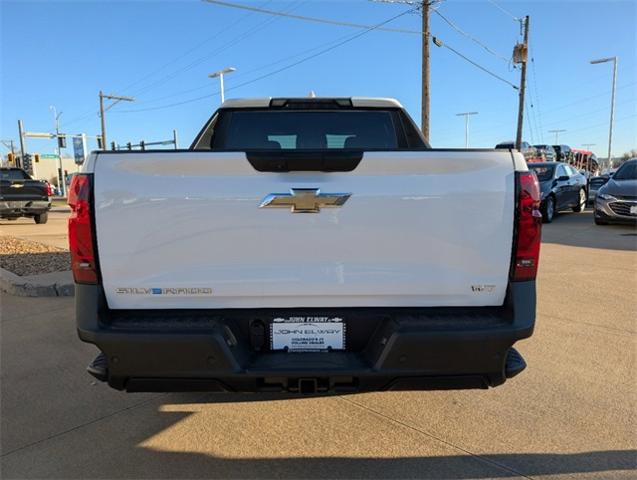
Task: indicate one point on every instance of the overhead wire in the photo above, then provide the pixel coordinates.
(537, 99)
(287, 67)
(471, 37)
(252, 70)
(311, 19)
(217, 34)
(234, 41)
(504, 10)
(354, 25)
(495, 75)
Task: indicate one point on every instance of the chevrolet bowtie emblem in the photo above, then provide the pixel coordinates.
(304, 200)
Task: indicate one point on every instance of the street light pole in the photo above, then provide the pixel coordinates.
(220, 74)
(56, 124)
(466, 126)
(612, 103)
(557, 134)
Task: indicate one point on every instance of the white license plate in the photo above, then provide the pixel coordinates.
(633, 209)
(307, 334)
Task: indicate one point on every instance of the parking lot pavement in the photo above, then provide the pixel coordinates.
(572, 413)
(51, 233)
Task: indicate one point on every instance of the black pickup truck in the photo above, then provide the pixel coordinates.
(21, 196)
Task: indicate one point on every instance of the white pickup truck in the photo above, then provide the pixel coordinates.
(305, 245)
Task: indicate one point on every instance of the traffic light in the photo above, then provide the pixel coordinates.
(26, 164)
(11, 158)
(100, 143)
(61, 141)
(36, 157)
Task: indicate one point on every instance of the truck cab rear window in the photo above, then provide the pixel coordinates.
(243, 130)
(13, 174)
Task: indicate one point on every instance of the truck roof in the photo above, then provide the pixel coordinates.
(355, 101)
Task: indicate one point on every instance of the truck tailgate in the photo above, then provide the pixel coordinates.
(184, 230)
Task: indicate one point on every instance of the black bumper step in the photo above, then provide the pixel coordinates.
(514, 363)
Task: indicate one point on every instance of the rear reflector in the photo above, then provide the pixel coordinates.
(81, 230)
(526, 252)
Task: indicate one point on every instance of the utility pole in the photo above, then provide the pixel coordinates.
(466, 126)
(612, 104)
(9, 145)
(522, 57)
(117, 98)
(557, 134)
(22, 150)
(425, 70)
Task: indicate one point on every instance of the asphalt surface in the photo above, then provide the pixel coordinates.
(52, 233)
(571, 414)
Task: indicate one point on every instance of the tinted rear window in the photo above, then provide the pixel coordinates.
(628, 171)
(12, 175)
(308, 130)
(543, 172)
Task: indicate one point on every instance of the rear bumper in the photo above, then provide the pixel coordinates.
(389, 349)
(10, 208)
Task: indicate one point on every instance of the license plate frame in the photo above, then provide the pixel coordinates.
(307, 334)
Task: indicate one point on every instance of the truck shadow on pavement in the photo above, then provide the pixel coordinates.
(145, 460)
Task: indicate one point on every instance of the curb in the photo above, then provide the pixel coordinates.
(60, 209)
(56, 284)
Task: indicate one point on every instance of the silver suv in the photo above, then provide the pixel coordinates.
(616, 201)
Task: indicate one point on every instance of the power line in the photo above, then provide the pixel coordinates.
(312, 19)
(269, 74)
(318, 20)
(243, 73)
(90, 113)
(234, 41)
(503, 10)
(192, 49)
(439, 43)
(471, 37)
(537, 99)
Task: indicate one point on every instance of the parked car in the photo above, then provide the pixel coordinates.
(563, 153)
(292, 269)
(594, 184)
(21, 196)
(525, 149)
(561, 187)
(616, 201)
(547, 152)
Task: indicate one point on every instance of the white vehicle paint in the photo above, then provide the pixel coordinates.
(425, 228)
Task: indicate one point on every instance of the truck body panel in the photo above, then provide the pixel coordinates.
(420, 229)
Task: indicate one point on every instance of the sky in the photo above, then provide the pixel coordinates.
(160, 52)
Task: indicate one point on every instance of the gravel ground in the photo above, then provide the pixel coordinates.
(23, 257)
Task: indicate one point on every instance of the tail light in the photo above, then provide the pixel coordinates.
(83, 262)
(49, 190)
(528, 228)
